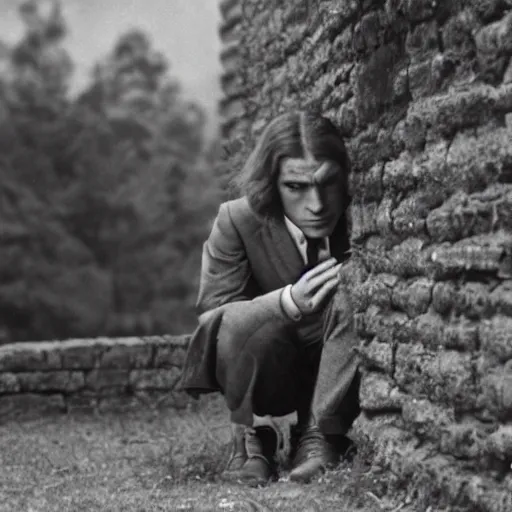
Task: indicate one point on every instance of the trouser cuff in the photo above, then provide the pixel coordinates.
(332, 425)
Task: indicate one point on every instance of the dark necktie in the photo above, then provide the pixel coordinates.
(312, 250)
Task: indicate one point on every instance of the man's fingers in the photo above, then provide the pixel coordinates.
(323, 292)
(320, 279)
(320, 268)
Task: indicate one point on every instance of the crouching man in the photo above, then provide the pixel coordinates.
(275, 332)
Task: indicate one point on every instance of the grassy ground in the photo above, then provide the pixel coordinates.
(153, 460)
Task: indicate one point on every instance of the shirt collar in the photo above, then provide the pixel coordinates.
(297, 234)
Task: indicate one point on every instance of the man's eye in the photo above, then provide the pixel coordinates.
(295, 186)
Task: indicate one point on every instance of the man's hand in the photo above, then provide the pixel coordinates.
(314, 286)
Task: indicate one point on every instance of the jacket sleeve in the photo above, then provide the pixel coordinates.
(226, 276)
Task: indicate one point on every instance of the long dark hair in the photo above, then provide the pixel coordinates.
(295, 135)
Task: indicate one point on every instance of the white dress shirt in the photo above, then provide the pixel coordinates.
(300, 241)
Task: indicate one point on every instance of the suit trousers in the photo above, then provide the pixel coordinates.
(268, 368)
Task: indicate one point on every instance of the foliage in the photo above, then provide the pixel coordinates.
(105, 198)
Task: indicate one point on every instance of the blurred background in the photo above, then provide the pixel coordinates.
(108, 146)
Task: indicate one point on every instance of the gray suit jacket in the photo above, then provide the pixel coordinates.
(245, 264)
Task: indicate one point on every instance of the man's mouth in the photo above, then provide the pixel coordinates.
(317, 222)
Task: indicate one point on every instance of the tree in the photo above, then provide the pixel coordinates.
(101, 209)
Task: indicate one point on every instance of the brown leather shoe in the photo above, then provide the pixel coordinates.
(260, 448)
(313, 455)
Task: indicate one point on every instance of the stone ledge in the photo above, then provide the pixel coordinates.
(103, 373)
(85, 354)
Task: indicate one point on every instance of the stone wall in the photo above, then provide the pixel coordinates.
(422, 91)
(100, 373)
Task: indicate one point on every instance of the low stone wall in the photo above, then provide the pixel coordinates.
(99, 373)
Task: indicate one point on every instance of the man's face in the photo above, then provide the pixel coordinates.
(311, 194)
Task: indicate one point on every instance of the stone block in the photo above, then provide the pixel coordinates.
(386, 149)
(103, 378)
(155, 379)
(413, 296)
(410, 133)
(58, 381)
(471, 299)
(433, 332)
(29, 356)
(482, 253)
(456, 110)
(488, 10)
(477, 161)
(353, 273)
(409, 258)
(398, 174)
(443, 297)
(82, 354)
(458, 36)
(406, 225)
(462, 335)
(418, 10)
(496, 337)
(166, 357)
(377, 289)
(428, 329)
(501, 297)
(463, 441)
(464, 215)
(9, 383)
(493, 43)
(378, 355)
(425, 418)
(413, 10)
(363, 219)
(382, 438)
(128, 353)
(445, 376)
(410, 214)
(362, 148)
(496, 394)
(388, 326)
(421, 79)
(483, 492)
(367, 186)
(422, 41)
(499, 443)
(368, 32)
(378, 393)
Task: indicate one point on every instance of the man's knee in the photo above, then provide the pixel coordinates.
(239, 332)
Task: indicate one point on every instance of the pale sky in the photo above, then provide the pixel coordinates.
(185, 31)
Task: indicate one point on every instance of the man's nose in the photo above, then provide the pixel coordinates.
(315, 200)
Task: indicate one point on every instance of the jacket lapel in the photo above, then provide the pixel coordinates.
(282, 250)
